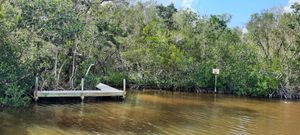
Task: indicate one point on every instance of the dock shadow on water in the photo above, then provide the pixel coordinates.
(76, 100)
(153, 112)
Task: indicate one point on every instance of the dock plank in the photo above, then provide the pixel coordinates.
(105, 87)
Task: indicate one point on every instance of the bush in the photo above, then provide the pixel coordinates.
(14, 95)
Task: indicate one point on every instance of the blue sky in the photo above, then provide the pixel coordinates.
(240, 10)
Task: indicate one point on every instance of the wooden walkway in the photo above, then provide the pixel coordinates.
(103, 91)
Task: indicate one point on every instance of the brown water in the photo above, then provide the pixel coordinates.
(157, 113)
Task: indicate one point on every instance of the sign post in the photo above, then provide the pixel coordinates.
(216, 72)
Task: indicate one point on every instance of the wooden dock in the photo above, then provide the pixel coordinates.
(76, 93)
(103, 91)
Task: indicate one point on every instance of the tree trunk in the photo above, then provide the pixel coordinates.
(73, 63)
(55, 69)
(287, 83)
(59, 71)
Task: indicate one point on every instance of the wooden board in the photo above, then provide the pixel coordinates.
(105, 87)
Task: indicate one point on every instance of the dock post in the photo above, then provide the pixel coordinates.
(216, 79)
(216, 72)
(36, 89)
(82, 86)
(124, 88)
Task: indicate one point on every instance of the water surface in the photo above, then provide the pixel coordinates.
(152, 112)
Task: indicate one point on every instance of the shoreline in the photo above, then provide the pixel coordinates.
(209, 91)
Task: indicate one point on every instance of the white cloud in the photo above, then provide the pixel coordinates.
(293, 1)
(288, 7)
(178, 3)
(187, 3)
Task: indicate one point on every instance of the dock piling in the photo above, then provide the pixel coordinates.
(36, 89)
(82, 87)
(124, 88)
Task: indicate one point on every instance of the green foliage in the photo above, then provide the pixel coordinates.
(14, 81)
(14, 95)
(153, 46)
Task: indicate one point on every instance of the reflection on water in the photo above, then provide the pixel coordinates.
(156, 113)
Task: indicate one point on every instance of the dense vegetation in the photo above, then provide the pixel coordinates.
(153, 46)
